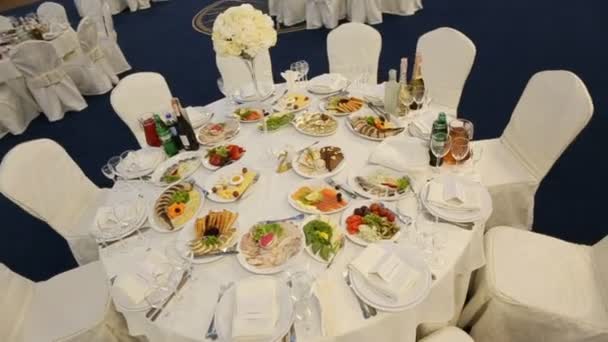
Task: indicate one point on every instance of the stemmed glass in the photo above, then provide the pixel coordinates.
(431, 239)
(460, 148)
(440, 146)
(302, 68)
(301, 292)
(109, 169)
(161, 285)
(419, 95)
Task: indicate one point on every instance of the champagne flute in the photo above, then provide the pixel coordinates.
(440, 146)
(301, 292)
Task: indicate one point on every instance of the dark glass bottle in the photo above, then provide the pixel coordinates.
(184, 128)
(439, 126)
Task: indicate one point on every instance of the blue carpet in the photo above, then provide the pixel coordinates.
(514, 40)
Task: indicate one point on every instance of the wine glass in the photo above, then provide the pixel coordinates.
(302, 68)
(301, 292)
(406, 99)
(161, 285)
(418, 94)
(460, 148)
(431, 239)
(440, 146)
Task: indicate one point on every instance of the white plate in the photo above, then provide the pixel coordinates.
(159, 225)
(323, 108)
(208, 166)
(315, 184)
(198, 116)
(355, 238)
(281, 105)
(413, 296)
(270, 270)
(188, 234)
(295, 125)
(460, 215)
(226, 172)
(309, 248)
(297, 168)
(342, 83)
(164, 166)
(350, 126)
(122, 301)
(235, 116)
(225, 313)
(141, 212)
(226, 137)
(267, 90)
(159, 158)
(370, 169)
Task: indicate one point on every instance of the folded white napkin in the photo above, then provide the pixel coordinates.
(198, 116)
(133, 287)
(339, 308)
(384, 271)
(255, 312)
(247, 91)
(290, 78)
(140, 160)
(423, 124)
(401, 153)
(327, 83)
(449, 192)
(106, 215)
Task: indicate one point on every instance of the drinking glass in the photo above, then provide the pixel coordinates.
(460, 148)
(419, 94)
(440, 146)
(302, 68)
(161, 285)
(431, 239)
(461, 127)
(301, 292)
(180, 260)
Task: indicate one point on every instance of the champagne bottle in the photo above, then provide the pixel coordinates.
(439, 126)
(417, 83)
(391, 93)
(404, 92)
(184, 128)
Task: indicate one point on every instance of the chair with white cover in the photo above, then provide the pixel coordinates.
(400, 7)
(235, 73)
(364, 11)
(52, 13)
(89, 43)
(5, 23)
(50, 86)
(513, 165)
(15, 114)
(539, 288)
(448, 57)
(71, 306)
(288, 12)
(41, 178)
(324, 13)
(447, 334)
(353, 48)
(138, 94)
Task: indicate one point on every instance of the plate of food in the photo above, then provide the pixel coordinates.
(370, 222)
(175, 207)
(323, 238)
(373, 127)
(222, 155)
(340, 105)
(231, 183)
(292, 102)
(320, 162)
(248, 114)
(212, 233)
(268, 248)
(316, 124)
(216, 132)
(316, 197)
(177, 168)
(380, 183)
(276, 121)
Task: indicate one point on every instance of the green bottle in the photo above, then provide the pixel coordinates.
(165, 137)
(439, 126)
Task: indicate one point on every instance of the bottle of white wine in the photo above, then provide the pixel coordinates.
(405, 97)
(391, 93)
(417, 84)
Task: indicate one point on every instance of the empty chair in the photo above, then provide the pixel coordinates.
(74, 305)
(513, 165)
(236, 75)
(448, 56)
(60, 195)
(324, 13)
(364, 11)
(5, 23)
(15, 114)
(538, 288)
(400, 7)
(288, 12)
(52, 13)
(138, 94)
(448, 334)
(353, 50)
(50, 86)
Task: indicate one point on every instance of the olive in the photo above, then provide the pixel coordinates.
(244, 170)
(235, 194)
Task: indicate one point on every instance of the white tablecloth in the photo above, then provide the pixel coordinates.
(189, 317)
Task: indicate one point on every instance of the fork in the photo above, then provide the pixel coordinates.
(366, 310)
(333, 183)
(211, 331)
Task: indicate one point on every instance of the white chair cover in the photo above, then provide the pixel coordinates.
(400, 7)
(536, 288)
(15, 114)
(347, 58)
(324, 13)
(108, 40)
(364, 11)
(138, 94)
(448, 56)
(72, 306)
(54, 91)
(236, 74)
(448, 334)
(5, 23)
(525, 153)
(288, 12)
(41, 178)
(52, 12)
(117, 6)
(599, 255)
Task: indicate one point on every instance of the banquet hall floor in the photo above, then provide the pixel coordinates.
(514, 40)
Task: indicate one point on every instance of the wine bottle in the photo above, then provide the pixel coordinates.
(417, 84)
(404, 92)
(184, 128)
(440, 125)
(391, 93)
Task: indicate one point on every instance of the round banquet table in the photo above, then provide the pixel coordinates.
(187, 316)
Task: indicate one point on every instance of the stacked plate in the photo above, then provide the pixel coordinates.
(327, 84)
(140, 163)
(114, 223)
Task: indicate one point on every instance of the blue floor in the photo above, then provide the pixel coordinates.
(514, 40)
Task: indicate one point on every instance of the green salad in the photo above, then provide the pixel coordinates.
(264, 229)
(277, 121)
(320, 237)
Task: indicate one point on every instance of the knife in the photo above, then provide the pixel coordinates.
(279, 98)
(215, 254)
(179, 287)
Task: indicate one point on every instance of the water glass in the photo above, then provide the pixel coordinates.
(460, 148)
(301, 293)
(302, 68)
(440, 146)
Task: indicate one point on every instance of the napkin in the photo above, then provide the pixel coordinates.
(106, 219)
(338, 304)
(450, 193)
(423, 124)
(401, 153)
(290, 77)
(144, 159)
(327, 83)
(198, 116)
(133, 287)
(248, 92)
(384, 271)
(256, 312)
